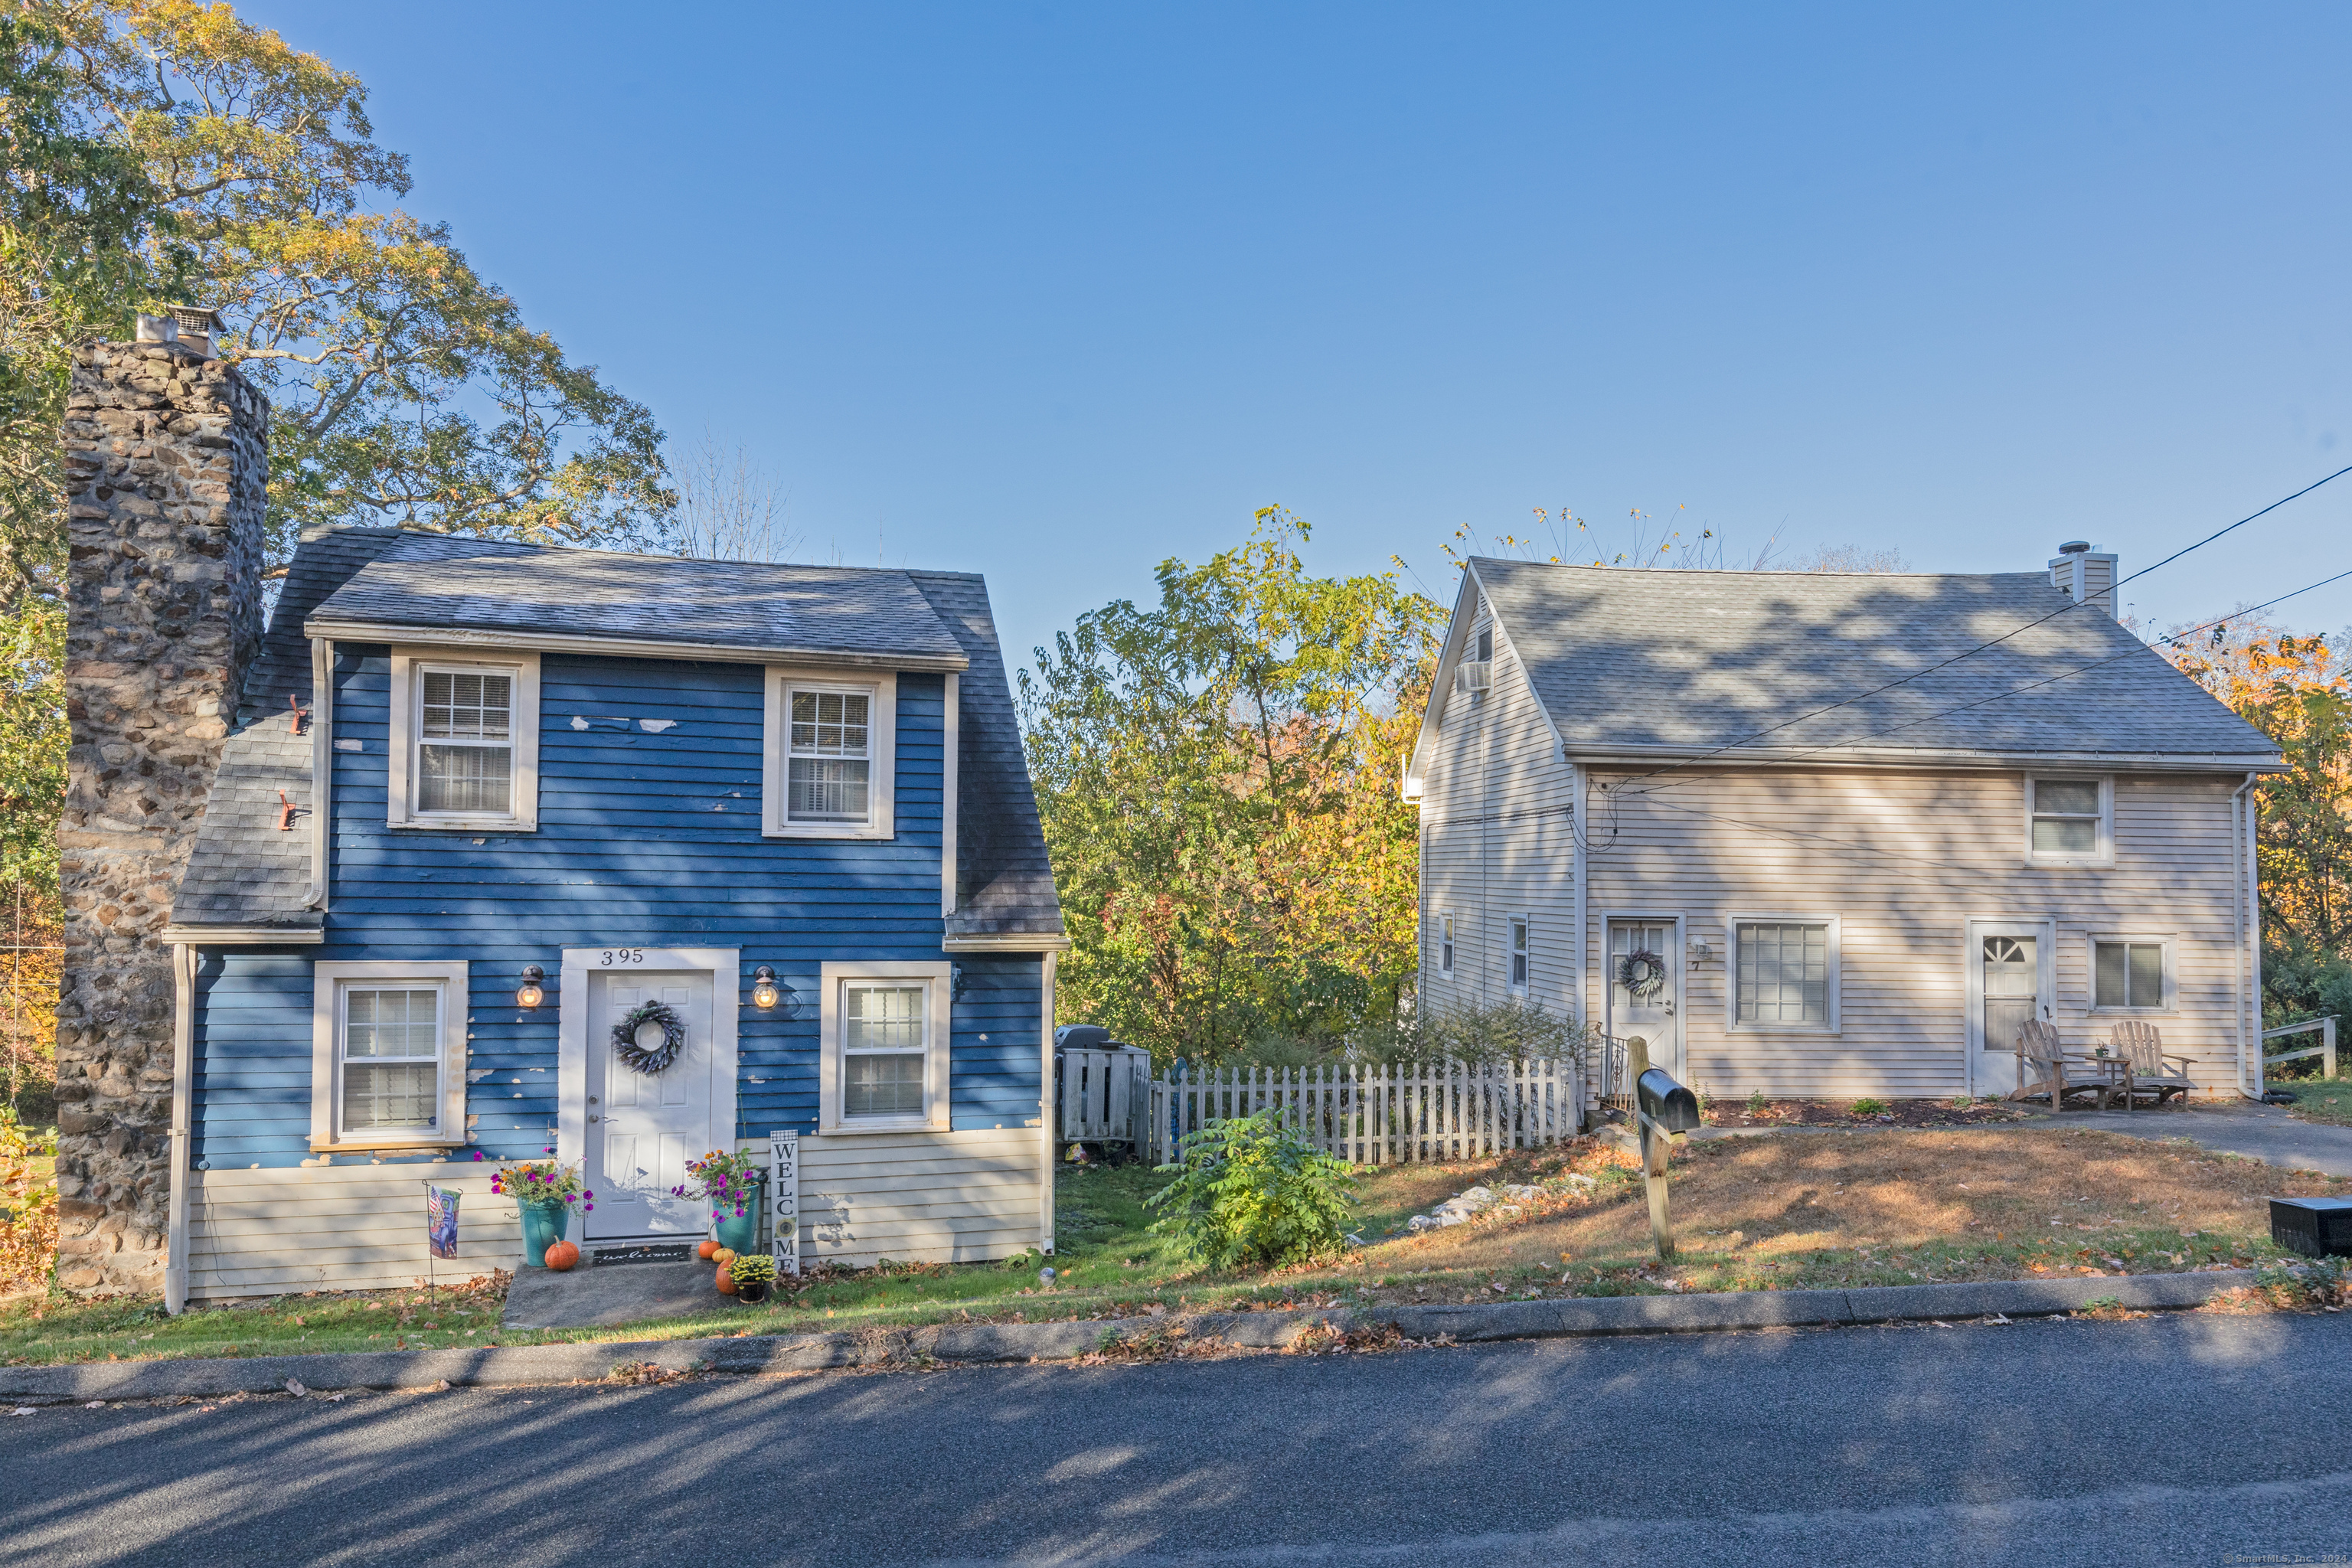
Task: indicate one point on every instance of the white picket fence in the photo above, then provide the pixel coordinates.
(1383, 1114)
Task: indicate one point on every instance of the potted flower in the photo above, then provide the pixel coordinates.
(730, 1182)
(753, 1273)
(544, 1193)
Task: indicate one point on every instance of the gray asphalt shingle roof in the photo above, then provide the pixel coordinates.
(438, 582)
(1688, 661)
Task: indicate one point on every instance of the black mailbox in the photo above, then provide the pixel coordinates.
(1667, 1103)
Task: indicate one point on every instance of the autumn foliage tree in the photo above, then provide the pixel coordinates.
(2293, 689)
(1218, 776)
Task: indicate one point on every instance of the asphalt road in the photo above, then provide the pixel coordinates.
(2173, 1440)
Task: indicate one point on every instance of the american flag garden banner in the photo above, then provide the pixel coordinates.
(441, 1220)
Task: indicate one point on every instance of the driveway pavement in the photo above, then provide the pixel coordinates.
(2263, 1133)
(2170, 1440)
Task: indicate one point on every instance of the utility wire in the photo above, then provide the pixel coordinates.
(1982, 647)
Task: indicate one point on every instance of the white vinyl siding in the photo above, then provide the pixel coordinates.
(830, 752)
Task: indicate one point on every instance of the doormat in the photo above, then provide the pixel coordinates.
(660, 1253)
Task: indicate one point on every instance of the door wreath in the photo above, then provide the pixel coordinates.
(1641, 973)
(649, 1059)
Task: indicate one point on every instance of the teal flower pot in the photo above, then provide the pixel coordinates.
(739, 1234)
(544, 1225)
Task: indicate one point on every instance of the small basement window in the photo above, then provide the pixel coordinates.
(464, 742)
(884, 1027)
(2130, 973)
(829, 755)
(2070, 822)
(387, 1056)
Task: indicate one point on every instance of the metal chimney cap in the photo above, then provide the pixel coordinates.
(195, 318)
(2075, 547)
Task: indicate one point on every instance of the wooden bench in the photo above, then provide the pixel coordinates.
(2146, 1068)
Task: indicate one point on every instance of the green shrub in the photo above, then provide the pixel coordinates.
(1251, 1191)
(1869, 1108)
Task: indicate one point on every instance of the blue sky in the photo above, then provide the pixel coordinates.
(1054, 292)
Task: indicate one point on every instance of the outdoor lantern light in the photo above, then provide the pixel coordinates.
(531, 993)
(765, 993)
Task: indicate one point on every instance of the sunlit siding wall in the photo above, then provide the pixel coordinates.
(1903, 860)
(1496, 841)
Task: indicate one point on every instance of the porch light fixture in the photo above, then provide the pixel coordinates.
(532, 992)
(765, 991)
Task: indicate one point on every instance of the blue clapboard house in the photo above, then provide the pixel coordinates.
(634, 857)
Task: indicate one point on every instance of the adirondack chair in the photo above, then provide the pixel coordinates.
(2147, 1070)
(2044, 1068)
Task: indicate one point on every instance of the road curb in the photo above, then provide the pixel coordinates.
(984, 1342)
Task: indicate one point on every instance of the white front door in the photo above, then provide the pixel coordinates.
(2010, 973)
(1646, 1011)
(642, 1128)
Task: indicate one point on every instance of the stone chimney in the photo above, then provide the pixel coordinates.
(166, 464)
(2087, 575)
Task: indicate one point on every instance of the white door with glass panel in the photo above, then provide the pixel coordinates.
(1644, 988)
(2009, 983)
(643, 1128)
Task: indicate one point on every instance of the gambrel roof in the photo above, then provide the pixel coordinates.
(246, 873)
(1845, 666)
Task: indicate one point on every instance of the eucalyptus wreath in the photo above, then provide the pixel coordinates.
(1641, 973)
(649, 1059)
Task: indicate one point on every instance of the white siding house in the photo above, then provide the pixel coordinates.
(1869, 823)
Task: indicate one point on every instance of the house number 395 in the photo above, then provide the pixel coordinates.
(617, 955)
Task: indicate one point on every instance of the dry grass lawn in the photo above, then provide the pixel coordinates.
(1796, 1210)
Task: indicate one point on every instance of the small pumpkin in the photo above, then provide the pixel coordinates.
(708, 1250)
(726, 1281)
(560, 1256)
(725, 1254)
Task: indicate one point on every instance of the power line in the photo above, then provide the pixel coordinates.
(1982, 647)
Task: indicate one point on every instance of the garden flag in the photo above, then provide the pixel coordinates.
(441, 1221)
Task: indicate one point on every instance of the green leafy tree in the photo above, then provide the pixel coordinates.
(1218, 780)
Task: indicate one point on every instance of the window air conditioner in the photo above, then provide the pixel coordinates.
(1474, 676)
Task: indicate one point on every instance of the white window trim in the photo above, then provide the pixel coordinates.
(833, 1015)
(1731, 924)
(329, 980)
(2105, 853)
(775, 770)
(2171, 1003)
(408, 695)
(1446, 947)
(1512, 925)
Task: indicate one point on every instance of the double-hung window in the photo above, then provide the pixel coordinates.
(1784, 973)
(2070, 822)
(2130, 973)
(830, 754)
(388, 1054)
(1445, 946)
(886, 1048)
(1519, 955)
(463, 742)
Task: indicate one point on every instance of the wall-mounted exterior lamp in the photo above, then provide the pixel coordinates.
(956, 982)
(765, 991)
(532, 991)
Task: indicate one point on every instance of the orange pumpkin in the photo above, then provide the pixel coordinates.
(708, 1249)
(562, 1255)
(726, 1281)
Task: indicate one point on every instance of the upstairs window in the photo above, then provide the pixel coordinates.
(2070, 822)
(830, 750)
(464, 743)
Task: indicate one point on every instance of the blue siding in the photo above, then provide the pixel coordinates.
(645, 840)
